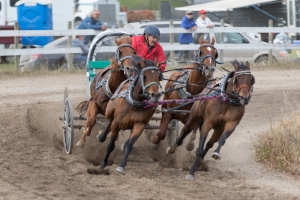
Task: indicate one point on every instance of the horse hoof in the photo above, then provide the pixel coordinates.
(121, 170)
(190, 177)
(80, 144)
(170, 150)
(154, 146)
(216, 156)
(123, 148)
(99, 138)
(190, 146)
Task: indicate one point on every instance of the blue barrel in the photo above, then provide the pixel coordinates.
(35, 15)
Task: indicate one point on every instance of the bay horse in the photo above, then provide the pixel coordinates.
(185, 84)
(126, 110)
(222, 113)
(106, 83)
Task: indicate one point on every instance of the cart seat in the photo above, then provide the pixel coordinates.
(94, 65)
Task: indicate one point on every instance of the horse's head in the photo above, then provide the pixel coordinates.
(123, 53)
(150, 78)
(243, 81)
(207, 56)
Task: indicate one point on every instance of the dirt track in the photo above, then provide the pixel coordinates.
(34, 165)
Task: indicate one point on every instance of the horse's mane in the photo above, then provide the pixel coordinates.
(136, 61)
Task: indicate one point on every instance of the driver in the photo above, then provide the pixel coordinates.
(147, 46)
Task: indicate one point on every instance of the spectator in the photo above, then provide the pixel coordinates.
(147, 46)
(203, 21)
(79, 59)
(188, 23)
(92, 22)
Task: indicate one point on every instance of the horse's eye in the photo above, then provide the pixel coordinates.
(144, 77)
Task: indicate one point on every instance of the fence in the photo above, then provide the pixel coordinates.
(167, 47)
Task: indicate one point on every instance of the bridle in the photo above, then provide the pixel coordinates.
(200, 59)
(144, 87)
(236, 90)
(120, 60)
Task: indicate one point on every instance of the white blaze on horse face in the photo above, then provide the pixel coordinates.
(209, 49)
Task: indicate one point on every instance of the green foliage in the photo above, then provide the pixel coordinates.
(150, 4)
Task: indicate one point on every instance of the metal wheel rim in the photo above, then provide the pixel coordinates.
(68, 132)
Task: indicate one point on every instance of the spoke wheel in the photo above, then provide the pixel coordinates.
(68, 126)
(65, 94)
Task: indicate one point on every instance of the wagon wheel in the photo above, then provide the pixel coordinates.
(65, 94)
(68, 126)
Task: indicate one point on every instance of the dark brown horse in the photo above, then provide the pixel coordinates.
(126, 110)
(106, 83)
(186, 84)
(222, 113)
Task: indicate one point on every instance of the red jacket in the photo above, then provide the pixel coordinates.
(138, 43)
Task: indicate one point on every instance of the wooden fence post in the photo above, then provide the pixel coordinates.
(70, 56)
(171, 42)
(222, 41)
(16, 41)
(270, 57)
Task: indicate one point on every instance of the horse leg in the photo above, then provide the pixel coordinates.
(111, 145)
(189, 126)
(91, 114)
(136, 132)
(161, 134)
(199, 153)
(227, 132)
(190, 145)
(214, 138)
(124, 145)
(102, 137)
(179, 141)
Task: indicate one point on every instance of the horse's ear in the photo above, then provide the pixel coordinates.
(112, 60)
(118, 41)
(212, 41)
(128, 38)
(201, 40)
(142, 63)
(235, 63)
(247, 65)
(155, 62)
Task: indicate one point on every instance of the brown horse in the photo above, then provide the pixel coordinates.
(222, 113)
(126, 110)
(106, 83)
(186, 84)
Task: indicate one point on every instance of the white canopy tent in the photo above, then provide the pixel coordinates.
(223, 5)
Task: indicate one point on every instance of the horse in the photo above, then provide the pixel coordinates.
(106, 83)
(185, 84)
(222, 113)
(126, 110)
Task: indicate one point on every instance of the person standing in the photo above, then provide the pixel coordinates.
(148, 47)
(188, 23)
(203, 21)
(92, 22)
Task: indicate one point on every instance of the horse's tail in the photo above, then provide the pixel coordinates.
(82, 107)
